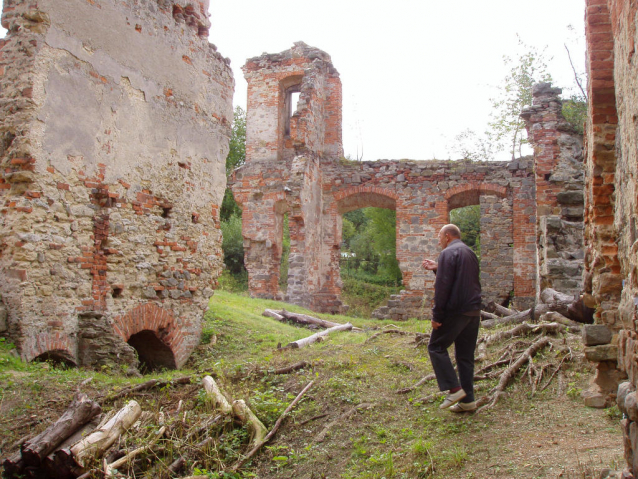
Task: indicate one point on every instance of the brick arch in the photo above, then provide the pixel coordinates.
(357, 197)
(150, 317)
(469, 194)
(57, 343)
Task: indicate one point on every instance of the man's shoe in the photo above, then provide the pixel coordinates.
(464, 407)
(452, 398)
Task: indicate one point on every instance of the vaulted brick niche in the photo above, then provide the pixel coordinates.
(304, 174)
(111, 145)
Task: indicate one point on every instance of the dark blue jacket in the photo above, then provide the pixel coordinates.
(457, 288)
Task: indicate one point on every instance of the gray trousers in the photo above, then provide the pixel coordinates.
(462, 331)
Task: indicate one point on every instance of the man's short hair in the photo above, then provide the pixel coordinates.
(452, 230)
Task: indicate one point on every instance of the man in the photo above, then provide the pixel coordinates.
(456, 317)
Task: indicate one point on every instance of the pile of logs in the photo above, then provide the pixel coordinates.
(75, 447)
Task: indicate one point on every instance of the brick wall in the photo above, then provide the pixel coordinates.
(611, 193)
(300, 171)
(112, 154)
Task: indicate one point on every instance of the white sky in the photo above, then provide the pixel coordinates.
(415, 73)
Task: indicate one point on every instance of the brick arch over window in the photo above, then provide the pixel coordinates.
(150, 317)
(54, 343)
(365, 196)
(469, 194)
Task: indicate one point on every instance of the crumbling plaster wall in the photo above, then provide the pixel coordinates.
(115, 126)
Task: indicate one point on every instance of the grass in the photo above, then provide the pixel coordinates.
(390, 436)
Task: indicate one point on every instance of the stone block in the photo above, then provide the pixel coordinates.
(623, 389)
(593, 397)
(596, 334)
(604, 352)
(3, 318)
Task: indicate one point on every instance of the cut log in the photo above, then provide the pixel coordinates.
(304, 319)
(80, 411)
(95, 444)
(246, 416)
(214, 393)
(554, 317)
(291, 368)
(301, 343)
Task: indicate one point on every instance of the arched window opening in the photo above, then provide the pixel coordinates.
(291, 99)
(468, 219)
(152, 352)
(59, 358)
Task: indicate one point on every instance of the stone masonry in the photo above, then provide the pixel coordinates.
(559, 175)
(611, 199)
(295, 165)
(115, 127)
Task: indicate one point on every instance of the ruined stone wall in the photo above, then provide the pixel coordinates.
(115, 126)
(559, 176)
(611, 194)
(297, 168)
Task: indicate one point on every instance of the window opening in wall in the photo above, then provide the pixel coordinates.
(152, 352)
(285, 254)
(166, 211)
(468, 219)
(290, 105)
(117, 292)
(369, 267)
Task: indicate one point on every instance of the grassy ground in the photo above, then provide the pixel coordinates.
(383, 434)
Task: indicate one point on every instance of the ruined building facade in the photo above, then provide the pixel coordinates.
(115, 127)
(611, 193)
(295, 166)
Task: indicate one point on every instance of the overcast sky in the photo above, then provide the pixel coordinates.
(415, 73)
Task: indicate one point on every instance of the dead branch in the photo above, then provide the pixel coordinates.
(108, 469)
(273, 431)
(291, 368)
(514, 318)
(153, 383)
(486, 315)
(510, 372)
(314, 418)
(500, 310)
(322, 435)
(523, 330)
(421, 382)
(568, 357)
(387, 331)
(246, 416)
(301, 343)
(555, 317)
(271, 313)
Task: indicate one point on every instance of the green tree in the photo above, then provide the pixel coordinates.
(236, 157)
(468, 219)
(506, 127)
(230, 213)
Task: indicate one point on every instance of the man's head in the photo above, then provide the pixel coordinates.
(448, 234)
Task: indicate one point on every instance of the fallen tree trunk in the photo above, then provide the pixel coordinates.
(301, 343)
(153, 383)
(486, 315)
(271, 313)
(304, 319)
(80, 411)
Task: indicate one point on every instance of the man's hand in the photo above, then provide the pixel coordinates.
(436, 325)
(430, 265)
